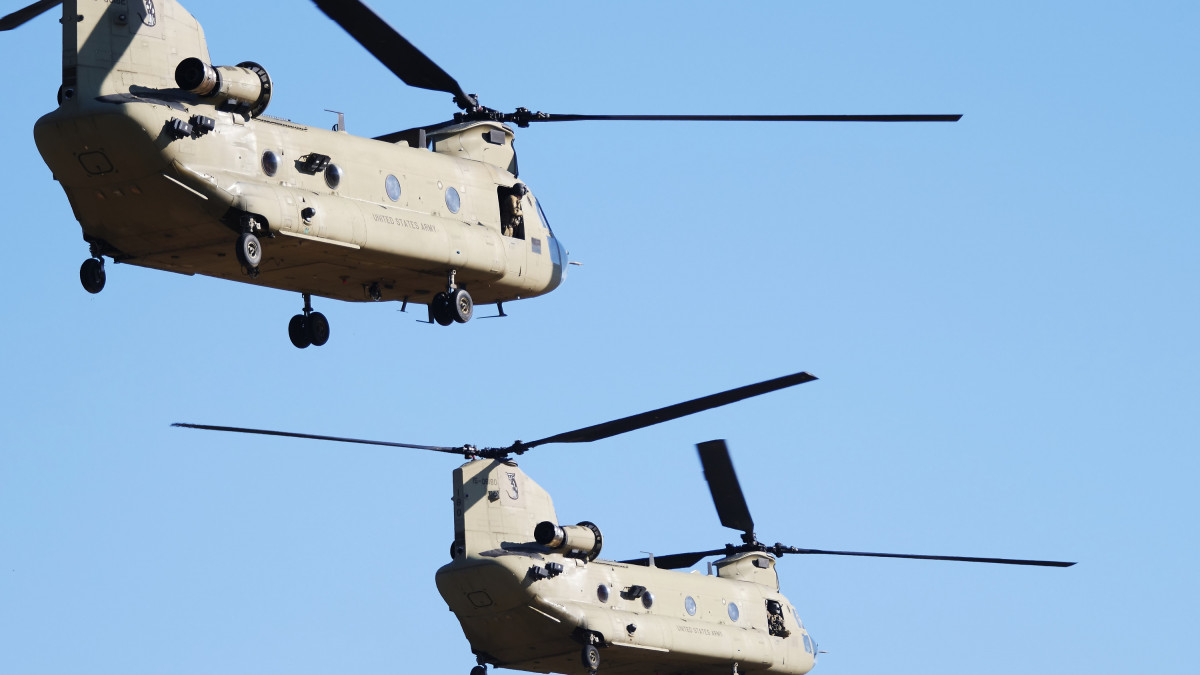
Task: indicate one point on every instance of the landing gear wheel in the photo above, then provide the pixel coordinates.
(443, 311)
(298, 332)
(461, 306)
(479, 670)
(591, 658)
(91, 275)
(318, 329)
(249, 251)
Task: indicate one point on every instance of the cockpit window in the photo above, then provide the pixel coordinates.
(545, 220)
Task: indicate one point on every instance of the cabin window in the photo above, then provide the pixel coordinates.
(690, 605)
(270, 163)
(453, 201)
(733, 611)
(602, 593)
(333, 176)
(807, 644)
(392, 186)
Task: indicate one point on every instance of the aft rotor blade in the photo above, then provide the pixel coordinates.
(391, 48)
(556, 117)
(22, 15)
(675, 561)
(723, 484)
(316, 437)
(1000, 561)
(671, 412)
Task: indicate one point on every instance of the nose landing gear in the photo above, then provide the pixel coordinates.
(309, 328)
(453, 306)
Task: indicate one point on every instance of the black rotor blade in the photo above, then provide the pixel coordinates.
(391, 48)
(316, 437)
(22, 15)
(671, 412)
(676, 561)
(723, 484)
(554, 117)
(959, 558)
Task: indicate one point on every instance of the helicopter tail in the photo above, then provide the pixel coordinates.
(124, 48)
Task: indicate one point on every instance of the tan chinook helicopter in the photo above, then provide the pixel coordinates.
(534, 595)
(169, 163)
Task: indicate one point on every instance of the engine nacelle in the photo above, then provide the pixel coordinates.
(246, 85)
(583, 540)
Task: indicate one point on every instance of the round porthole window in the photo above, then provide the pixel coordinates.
(453, 201)
(690, 605)
(333, 176)
(392, 185)
(602, 593)
(647, 599)
(733, 611)
(270, 163)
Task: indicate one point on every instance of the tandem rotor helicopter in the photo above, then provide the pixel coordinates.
(169, 163)
(532, 594)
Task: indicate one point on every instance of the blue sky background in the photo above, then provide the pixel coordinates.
(1002, 312)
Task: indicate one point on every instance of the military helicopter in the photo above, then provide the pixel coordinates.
(170, 163)
(532, 594)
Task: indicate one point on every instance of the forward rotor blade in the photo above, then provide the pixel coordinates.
(723, 484)
(22, 15)
(554, 117)
(390, 47)
(1000, 561)
(671, 412)
(316, 437)
(676, 561)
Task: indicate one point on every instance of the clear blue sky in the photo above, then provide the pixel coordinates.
(1003, 314)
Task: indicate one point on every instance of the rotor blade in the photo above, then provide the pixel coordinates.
(671, 412)
(1001, 561)
(316, 437)
(554, 117)
(724, 486)
(22, 15)
(675, 561)
(390, 47)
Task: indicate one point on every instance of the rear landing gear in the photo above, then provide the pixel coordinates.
(591, 659)
(249, 248)
(309, 328)
(91, 275)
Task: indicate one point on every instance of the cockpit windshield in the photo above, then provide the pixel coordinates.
(545, 220)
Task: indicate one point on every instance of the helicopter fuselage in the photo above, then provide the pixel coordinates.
(166, 178)
(533, 607)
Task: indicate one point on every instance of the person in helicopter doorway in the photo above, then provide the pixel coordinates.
(512, 220)
(775, 625)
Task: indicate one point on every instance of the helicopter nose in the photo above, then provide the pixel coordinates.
(558, 256)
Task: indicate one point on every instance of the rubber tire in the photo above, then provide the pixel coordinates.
(462, 308)
(298, 332)
(479, 670)
(318, 329)
(91, 275)
(249, 250)
(442, 311)
(590, 658)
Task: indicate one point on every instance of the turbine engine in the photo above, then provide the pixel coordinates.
(245, 87)
(581, 541)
